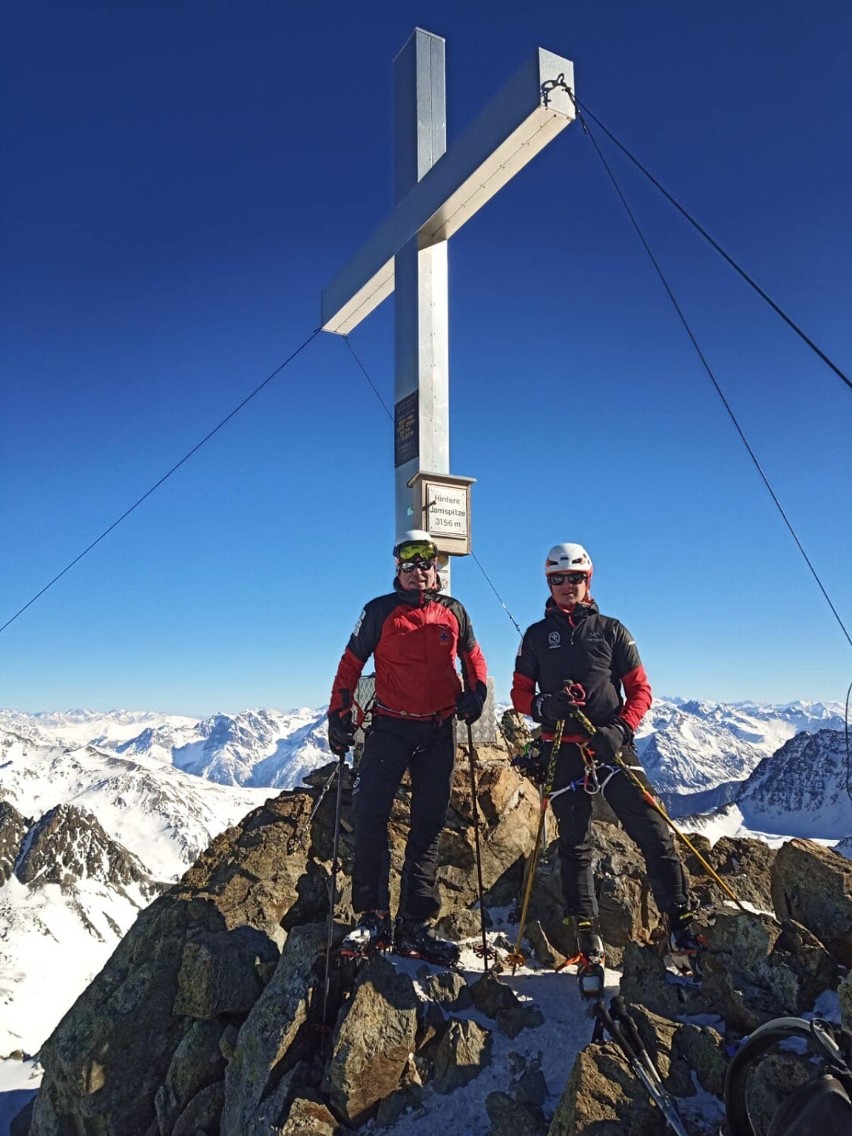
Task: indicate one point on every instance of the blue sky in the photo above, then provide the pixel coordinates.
(181, 180)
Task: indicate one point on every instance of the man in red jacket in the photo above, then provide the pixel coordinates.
(415, 635)
(575, 644)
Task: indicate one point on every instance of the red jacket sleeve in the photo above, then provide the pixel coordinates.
(475, 668)
(637, 697)
(523, 693)
(345, 682)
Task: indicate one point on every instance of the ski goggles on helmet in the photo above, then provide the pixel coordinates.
(567, 578)
(416, 550)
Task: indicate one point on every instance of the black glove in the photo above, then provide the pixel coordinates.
(341, 731)
(608, 740)
(532, 763)
(552, 708)
(470, 702)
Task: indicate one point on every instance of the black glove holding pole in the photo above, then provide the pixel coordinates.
(341, 732)
(341, 728)
(469, 703)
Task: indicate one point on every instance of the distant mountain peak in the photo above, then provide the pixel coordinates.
(68, 844)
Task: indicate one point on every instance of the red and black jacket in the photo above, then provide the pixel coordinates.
(589, 648)
(416, 638)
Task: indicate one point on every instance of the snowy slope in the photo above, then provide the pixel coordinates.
(255, 748)
(802, 790)
(163, 815)
(92, 815)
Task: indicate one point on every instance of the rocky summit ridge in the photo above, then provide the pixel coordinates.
(207, 1019)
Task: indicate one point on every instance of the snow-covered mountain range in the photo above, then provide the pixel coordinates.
(698, 754)
(102, 809)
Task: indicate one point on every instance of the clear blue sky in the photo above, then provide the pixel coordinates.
(181, 180)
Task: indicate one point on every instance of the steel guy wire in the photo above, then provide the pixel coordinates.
(164, 478)
(581, 107)
(710, 373)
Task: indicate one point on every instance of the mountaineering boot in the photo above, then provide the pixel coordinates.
(418, 940)
(682, 937)
(590, 948)
(371, 933)
(590, 956)
(685, 946)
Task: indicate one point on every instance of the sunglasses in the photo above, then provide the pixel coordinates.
(420, 563)
(566, 578)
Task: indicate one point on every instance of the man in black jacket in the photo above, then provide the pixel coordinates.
(574, 645)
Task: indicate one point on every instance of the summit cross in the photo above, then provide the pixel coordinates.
(436, 191)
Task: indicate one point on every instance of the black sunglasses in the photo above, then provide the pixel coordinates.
(413, 565)
(566, 577)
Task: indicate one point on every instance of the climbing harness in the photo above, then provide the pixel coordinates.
(658, 807)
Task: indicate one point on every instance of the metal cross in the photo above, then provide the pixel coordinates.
(436, 191)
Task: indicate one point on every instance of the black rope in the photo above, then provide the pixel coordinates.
(385, 405)
(357, 358)
(725, 256)
(165, 477)
(497, 594)
(710, 374)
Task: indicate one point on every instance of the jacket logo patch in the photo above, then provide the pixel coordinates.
(554, 639)
(594, 637)
(360, 621)
(445, 636)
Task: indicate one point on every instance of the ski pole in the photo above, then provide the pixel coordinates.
(658, 807)
(619, 1026)
(472, 755)
(517, 957)
(341, 765)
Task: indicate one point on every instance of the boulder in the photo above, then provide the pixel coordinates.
(125, 1020)
(223, 972)
(202, 1113)
(603, 1097)
(259, 1058)
(499, 1001)
(813, 885)
(462, 1054)
(510, 1117)
(309, 1118)
(372, 1041)
(757, 969)
(197, 1063)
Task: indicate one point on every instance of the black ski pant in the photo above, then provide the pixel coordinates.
(427, 751)
(642, 823)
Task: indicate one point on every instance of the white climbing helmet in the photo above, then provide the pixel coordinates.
(568, 558)
(413, 544)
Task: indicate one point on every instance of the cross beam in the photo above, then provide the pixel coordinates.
(437, 191)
